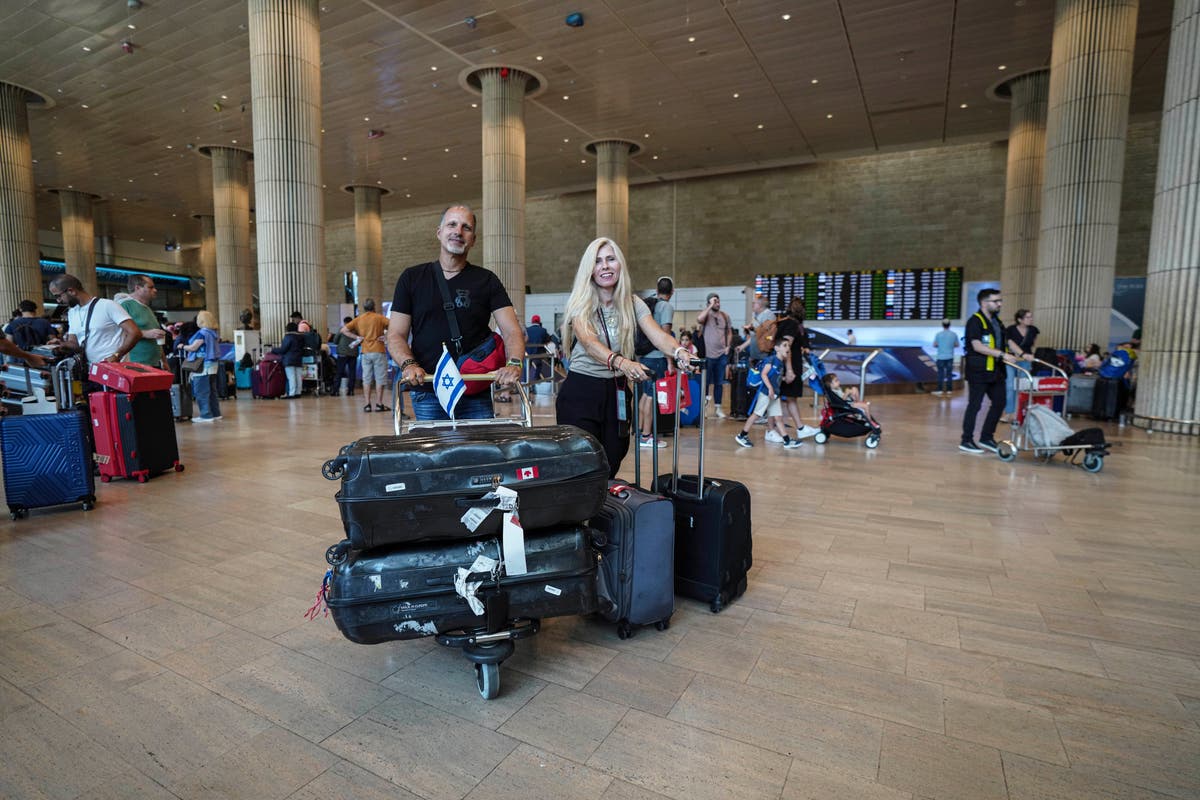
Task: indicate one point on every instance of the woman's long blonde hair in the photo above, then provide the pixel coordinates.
(584, 302)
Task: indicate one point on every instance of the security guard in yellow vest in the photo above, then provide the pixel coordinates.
(984, 368)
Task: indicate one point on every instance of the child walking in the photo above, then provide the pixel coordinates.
(766, 401)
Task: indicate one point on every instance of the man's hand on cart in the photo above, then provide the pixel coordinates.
(508, 375)
(413, 375)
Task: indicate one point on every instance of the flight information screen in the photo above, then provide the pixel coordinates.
(879, 294)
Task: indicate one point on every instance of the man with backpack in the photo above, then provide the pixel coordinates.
(760, 333)
(652, 359)
(29, 330)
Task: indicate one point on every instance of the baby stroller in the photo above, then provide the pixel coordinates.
(1047, 434)
(839, 417)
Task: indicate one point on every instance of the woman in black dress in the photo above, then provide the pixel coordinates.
(791, 326)
(1021, 338)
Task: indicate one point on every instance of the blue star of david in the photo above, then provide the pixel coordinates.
(447, 381)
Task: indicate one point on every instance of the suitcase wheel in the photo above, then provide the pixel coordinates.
(17, 513)
(1093, 462)
(662, 624)
(487, 680)
(336, 554)
(178, 467)
(105, 478)
(89, 504)
(141, 477)
(716, 605)
(333, 469)
(624, 630)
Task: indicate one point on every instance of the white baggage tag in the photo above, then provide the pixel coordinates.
(506, 500)
(467, 590)
(514, 545)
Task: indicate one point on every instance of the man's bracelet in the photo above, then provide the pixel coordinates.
(514, 362)
(406, 363)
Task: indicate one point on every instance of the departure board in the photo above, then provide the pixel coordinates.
(882, 294)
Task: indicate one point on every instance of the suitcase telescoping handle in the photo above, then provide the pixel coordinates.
(399, 387)
(637, 439)
(699, 364)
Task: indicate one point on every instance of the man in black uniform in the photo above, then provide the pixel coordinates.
(984, 363)
(476, 295)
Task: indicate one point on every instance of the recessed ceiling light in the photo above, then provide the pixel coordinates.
(446, 149)
(404, 158)
(84, 105)
(566, 97)
(815, 81)
(224, 97)
(964, 105)
(131, 180)
(380, 183)
(234, 141)
(829, 116)
(124, 199)
(35, 161)
(408, 195)
(170, 147)
(474, 105)
(655, 158)
(58, 152)
(156, 174)
(454, 175)
(539, 58)
(366, 119)
(141, 239)
(433, 68)
(70, 186)
(786, 17)
(1002, 67)
(583, 161)
(691, 38)
(645, 136)
(87, 49)
(324, 186)
(173, 215)
(322, 130)
(60, 91)
(566, 140)
(760, 126)
(736, 95)
(131, 26)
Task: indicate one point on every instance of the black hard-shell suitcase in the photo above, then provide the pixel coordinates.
(47, 461)
(1107, 398)
(408, 592)
(416, 487)
(739, 393)
(1081, 390)
(713, 548)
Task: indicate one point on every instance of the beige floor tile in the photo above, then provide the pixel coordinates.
(529, 772)
(939, 767)
(906, 623)
(716, 655)
(768, 547)
(1150, 609)
(1132, 633)
(760, 594)
(345, 781)
(64, 585)
(1192, 705)
(816, 605)
(694, 615)
(560, 660)
(568, 723)
(646, 642)
(878, 694)
(1030, 779)
(985, 608)
(1048, 649)
(107, 608)
(787, 725)
(640, 683)
(620, 790)
(952, 579)
(938, 557)
(43, 756)
(426, 751)
(1003, 724)
(669, 758)
(859, 588)
(51, 649)
(444, 679)
(131, 785)
(1042, 593)
(1172, 672)
(973, 672)
(789, 576)
(875, 568)
(271, 766)
(211, 658)
(1155, 757)
(159, 630)
(299, 693)
(12, 699)
(322, 641)
(863, 648)
(812, 782)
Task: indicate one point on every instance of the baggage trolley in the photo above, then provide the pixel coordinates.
(1027, 432)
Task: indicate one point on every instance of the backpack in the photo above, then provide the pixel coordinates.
(24, 335)
(764, 336)
(754, 379)
(641, 344)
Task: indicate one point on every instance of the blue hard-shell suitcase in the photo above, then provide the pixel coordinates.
(47, 461)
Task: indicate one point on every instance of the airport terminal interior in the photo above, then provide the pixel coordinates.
(918, 622)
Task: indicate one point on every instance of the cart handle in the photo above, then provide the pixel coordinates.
(400, 386)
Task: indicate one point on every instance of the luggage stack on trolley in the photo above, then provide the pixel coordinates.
(470, 532)
(1040, 428)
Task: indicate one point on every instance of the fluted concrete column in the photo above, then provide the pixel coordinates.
(612, 188)
(1023, 186)
(368, 240)
(79, 235)
(20, 275)
(1169, 375)
(502, 218)
(285, 89)
(208, 261)
(1091, 68)
(231, 229)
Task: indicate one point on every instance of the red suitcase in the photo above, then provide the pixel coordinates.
(130, 378)
(135, 434)
(268, 379)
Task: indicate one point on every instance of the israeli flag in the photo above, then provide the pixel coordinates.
(448, 383)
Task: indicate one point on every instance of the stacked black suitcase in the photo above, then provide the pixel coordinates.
(409, 563)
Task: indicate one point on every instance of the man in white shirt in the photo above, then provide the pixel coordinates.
(99, 328)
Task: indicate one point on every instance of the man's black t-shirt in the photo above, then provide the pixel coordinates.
(992, 336)
(476, 293)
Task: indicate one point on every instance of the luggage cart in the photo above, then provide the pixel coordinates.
(1042, 391)
(490, 644)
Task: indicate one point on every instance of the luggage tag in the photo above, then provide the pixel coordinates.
(506, 500)
(468, 589)
(622, 412)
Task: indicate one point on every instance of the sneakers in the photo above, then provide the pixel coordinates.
(647, 441)
(807, 431)
(989, 444)
(744, 440)
(200, 420)
(720, 413)
(792, 444)
(970, 447)
(774, 437)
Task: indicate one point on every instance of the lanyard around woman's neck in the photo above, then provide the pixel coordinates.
(604, 327)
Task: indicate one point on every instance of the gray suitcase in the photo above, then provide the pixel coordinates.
(1081, 389)
(181, 402)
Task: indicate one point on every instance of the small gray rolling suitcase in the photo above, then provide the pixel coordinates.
(1081, 389)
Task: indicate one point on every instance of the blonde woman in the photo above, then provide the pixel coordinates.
(597, 332)
(206, 345)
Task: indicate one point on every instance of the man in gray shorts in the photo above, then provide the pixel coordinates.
(369, 328)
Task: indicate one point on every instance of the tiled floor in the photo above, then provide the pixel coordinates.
(920, 623)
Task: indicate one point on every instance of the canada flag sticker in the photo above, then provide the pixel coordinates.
(525, 473)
